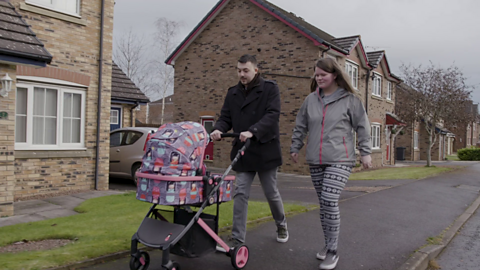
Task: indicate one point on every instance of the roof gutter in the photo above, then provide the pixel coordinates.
(324, 51)
(99, 101)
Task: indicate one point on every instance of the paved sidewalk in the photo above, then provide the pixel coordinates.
(61, 206)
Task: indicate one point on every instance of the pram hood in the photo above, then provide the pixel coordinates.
(176, 149)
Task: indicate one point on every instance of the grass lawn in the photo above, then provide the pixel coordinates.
(398, 173)
(105, 226)
(453, 157)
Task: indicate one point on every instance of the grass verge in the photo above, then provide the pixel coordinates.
(105, 226)
(453, 157)
(399, 173)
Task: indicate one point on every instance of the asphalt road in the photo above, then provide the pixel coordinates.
(462, 252)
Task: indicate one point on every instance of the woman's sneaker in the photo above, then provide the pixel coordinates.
(330, 261)
(282, 234)
(322, 254)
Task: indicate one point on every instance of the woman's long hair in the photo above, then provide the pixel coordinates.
(331, 66)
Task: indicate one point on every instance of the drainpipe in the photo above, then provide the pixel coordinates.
(131, 114)
(328, 49)
(366, 90)
(99, 107)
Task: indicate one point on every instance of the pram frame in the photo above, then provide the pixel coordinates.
(209, 200)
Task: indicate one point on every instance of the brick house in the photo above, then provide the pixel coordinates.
(126, 100)
(151, 114)
(18, 47)
(414, 138)
(286, 47)
(58, 135)
(467, 133)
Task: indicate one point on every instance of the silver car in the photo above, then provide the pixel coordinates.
(127, 146)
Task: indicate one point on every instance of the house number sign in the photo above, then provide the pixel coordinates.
(3, 115)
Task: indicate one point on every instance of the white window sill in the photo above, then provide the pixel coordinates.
(377, 97)
(53, 14)
(31, 154)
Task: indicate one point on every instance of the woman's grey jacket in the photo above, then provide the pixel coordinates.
(329, 122)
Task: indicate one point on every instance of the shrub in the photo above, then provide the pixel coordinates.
(469, 154)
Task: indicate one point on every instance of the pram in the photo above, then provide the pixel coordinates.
(173, 174)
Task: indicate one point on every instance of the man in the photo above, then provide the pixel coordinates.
(252, 108)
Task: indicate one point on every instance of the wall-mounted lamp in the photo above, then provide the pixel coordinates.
(373, 76)
(6, 85)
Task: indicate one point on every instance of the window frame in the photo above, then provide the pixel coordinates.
(377, 137)
(353, 81)
(54, 7)
(377, 78)
(389, 90)
(61, 90)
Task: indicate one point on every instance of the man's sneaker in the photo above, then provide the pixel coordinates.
(231, 242)
(322, 254)
(330, 261)
(282, 234)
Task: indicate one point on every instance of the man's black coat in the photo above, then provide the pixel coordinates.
(257, 112)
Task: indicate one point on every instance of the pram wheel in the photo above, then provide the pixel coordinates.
(239, 256)
(140, 263)
(173, 266)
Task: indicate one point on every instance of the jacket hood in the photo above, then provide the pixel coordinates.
(338, 94)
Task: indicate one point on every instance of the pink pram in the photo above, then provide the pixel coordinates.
(173, 173)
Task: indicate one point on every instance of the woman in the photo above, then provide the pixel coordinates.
(330, 115)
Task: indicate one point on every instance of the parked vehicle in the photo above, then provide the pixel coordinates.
(127, 146)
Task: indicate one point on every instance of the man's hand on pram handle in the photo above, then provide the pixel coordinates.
(216, 135)
(246, 134)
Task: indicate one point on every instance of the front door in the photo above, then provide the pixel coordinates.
(115, 118)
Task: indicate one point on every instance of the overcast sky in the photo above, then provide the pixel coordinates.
(410, 31)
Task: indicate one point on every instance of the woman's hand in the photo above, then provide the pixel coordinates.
(367, 161)
(294, 157)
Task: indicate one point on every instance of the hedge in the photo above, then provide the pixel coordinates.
(469, 154)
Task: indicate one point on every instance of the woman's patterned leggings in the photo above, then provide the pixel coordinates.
(329, 181)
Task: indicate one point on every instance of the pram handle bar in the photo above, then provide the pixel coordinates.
(225, 135)
(235, 135)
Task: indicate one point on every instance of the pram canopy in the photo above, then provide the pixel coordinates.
(176, 149)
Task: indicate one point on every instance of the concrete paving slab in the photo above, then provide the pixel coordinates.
(68, 202)
(8, 221)
(34, 206)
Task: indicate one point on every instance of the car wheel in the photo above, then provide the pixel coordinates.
(135, 168)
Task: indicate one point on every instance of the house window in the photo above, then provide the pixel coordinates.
(114, 119)
(352, 70)
(389, 91)
(415, 140)
(377, 85)
(49, 117)
(71, 7)
(375, 133)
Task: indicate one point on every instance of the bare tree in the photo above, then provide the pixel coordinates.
(130, 54)
(164, 43)
(433, 95)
